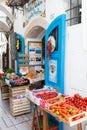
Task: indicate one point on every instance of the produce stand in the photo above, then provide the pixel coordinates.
(4, 90)
(45, 119)
(36, 81)
(73, 119)
(13, 88)
(19, 104)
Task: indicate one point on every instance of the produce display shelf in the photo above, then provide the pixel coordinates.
(70, 121)
(73, 119)
(19, 104)
(4, 90)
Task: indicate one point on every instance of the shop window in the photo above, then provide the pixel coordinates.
(74, 12)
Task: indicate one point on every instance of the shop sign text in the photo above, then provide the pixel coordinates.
(36, 8)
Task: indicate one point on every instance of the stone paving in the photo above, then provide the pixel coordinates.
(8, 122)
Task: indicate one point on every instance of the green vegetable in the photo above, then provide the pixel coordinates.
(10, 70)
(57, 113)
(70, 110)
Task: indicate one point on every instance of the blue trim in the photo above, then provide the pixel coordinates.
(58, 55)
(22, 51)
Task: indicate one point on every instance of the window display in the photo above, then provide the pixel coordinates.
(35, 53)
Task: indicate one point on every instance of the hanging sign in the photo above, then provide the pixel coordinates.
(36, 8)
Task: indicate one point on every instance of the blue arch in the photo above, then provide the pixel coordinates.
(22, 50)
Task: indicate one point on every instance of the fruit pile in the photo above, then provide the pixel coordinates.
(20, 81)
(65, 111)
(77, 101)
(51, 101)
(46, 95)
(30, 75)
(58, 99)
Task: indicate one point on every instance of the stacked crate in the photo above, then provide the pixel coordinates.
(19, 104)
(4, 90)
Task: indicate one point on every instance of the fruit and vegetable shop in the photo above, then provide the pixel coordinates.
(43, 66)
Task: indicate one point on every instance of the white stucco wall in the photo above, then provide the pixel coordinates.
(18, 22)
(55, 8)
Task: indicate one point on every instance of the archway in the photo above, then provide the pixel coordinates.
(2, 8)
(4, 27)
(36, 28)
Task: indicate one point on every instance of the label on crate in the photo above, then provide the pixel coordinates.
(20, 96)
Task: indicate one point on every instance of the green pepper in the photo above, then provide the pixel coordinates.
(70, 110)
(57, 113)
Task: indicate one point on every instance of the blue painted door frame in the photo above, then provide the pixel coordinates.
(22, 50)
(57, 56)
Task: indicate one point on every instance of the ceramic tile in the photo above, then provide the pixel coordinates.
(17, 119)
(7, 121)
(30, 123)
(10, 128)
(1, 112)
(29, 116)
(2, 124)
(23, 126)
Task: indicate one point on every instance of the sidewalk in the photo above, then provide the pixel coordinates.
(8, 122)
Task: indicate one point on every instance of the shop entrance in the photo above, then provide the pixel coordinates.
(35, 32)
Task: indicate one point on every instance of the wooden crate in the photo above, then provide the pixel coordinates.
(2, 83)
(19, 104)
(4, 90)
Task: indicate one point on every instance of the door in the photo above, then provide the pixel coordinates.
(55, 55)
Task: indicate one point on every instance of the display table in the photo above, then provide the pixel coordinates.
(71, 120)
(45, 119)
